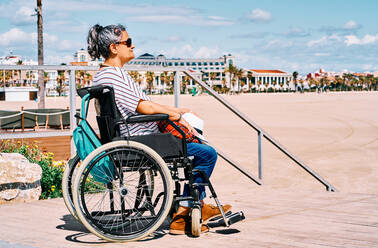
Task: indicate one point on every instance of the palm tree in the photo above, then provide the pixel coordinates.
(238, 74)
(149, 79)
(231, 71)
(213, 76)
(41, 82)
(184, 83)
(295, 76)
(61, 79)
(249, 78)
(79, 78)
(88, 78)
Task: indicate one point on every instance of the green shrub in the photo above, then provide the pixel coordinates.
(52, 171)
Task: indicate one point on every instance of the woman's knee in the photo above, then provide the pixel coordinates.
(212, 154)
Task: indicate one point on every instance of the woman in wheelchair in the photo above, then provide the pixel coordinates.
(115, 46)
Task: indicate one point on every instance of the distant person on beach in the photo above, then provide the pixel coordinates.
(115, 46)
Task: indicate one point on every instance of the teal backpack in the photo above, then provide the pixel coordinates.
(86, 141)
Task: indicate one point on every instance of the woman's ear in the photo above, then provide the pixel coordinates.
(113, 49)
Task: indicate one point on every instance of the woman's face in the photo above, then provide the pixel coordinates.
(125, 53)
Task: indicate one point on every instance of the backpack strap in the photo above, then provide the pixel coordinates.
(85, 106)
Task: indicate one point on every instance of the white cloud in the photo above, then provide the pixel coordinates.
(173, 38)
(322, 54)
(259, 15)
(296, 32)
(14, 36)
(187, 51)
(351, 25)
(182, 19)
(58, 59)
(324, 40)
(24, 16)
(354, 40)
(207, 52)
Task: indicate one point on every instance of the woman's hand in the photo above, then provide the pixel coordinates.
(188, 126)
(185, 110)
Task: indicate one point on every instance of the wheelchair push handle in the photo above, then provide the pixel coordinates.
(94, 91)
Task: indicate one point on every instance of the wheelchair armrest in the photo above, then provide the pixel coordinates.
(146, 118)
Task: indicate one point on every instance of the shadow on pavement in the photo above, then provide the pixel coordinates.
(71, 224)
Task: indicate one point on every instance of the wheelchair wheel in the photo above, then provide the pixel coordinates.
(67, 180)
(196, 221)
(123, 191)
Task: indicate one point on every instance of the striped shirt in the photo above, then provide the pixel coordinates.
(127, 96)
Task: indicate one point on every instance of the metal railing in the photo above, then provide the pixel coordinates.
(261, 134)
(178, 70)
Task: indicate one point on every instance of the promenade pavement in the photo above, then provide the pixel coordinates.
(336, 134)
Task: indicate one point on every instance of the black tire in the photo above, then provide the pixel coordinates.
(67, 180)
(113, 195)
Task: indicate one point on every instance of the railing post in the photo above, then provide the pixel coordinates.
(72, 108)
(22, 119)
(259, 152)
(176, 88)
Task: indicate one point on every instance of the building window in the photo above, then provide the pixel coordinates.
(216, 63)
(194, 68)
(204, 63)
(187, 64)
(230, 61)
(222, 63)
(199, 63)
(211, 63)
(82, 58)
(170, 63)
(176, 63)
(193, 64)
(182, 63)
(211, 68)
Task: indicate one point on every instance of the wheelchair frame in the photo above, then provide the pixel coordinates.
(127, 211)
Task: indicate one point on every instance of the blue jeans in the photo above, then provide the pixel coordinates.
(205, 158)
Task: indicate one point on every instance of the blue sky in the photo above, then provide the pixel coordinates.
(291, 35)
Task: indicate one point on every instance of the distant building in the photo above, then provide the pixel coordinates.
(210, 69)
(82, 58)
(263, 79)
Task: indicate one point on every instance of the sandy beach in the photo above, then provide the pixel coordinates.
(336, 134)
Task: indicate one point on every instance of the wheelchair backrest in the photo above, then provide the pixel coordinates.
(109, 118)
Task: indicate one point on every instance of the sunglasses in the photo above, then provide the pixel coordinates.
(127, 42)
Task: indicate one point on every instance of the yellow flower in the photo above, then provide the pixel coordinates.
(53, 188)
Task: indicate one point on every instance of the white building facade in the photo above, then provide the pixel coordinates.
(275, 79)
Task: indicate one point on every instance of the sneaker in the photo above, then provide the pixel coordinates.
(210, 211)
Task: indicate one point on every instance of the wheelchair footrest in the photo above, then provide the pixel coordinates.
(231, 219)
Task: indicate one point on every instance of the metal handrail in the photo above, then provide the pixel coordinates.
(261, 133)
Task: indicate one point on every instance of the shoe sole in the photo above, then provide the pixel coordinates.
(215, 216)
(177, 232)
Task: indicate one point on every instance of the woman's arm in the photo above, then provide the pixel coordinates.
(150, 108)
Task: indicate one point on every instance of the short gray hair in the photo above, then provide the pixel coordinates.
(100, 38)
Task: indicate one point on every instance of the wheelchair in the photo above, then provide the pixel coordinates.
(125, 189)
